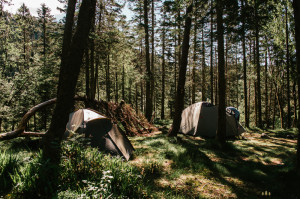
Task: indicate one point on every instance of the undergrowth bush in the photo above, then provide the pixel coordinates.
(84, 172)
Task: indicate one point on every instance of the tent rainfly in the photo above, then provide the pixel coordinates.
(103, 133)
(201, 119)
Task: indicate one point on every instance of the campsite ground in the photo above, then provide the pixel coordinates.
(192, 167)
(162, 167)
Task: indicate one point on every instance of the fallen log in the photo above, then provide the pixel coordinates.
(21, 127)
(133, 124)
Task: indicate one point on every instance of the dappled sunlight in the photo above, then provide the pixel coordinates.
(195, 167)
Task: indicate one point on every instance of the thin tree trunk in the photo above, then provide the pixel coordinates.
(295, 105)
(221, 129)
(194, 62)
(149, 106)
(244, 67)
(249, 101)
(152, 58)
(287, 70)
(269, 105)
(69, 71)
(162, 113)
(123, 82)
(117, 88)
(179, 101)
(255, 103)
(211, 54)
(107, 77)
(258, 67)
(129, 92)
(136, 99)
(274, 112)
(203, 67)
(280, 105)
(266, 90)
(142, 96)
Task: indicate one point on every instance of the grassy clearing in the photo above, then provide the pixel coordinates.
(162, 167)
(192, 167)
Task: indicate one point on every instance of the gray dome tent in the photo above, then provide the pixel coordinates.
(201, 119)
(103, 133)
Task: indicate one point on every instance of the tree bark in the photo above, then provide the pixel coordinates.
(194, 62)
(258, 67)
(244, 66)
(123, 81)
(69, 72)
(211, 54)
(179, 101)
(162, 113)
(266, 91)
(152, 57)
(107, 77)
(87, 73)
(117, 88)
(296, 5)
(203, 66)
(287, 70)
(149, 107)
(221, 129)
(22, 125)
(280, 105)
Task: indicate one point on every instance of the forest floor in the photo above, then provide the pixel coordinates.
(162, 167)
(193, 167)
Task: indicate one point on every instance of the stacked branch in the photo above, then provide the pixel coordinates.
(133, 123)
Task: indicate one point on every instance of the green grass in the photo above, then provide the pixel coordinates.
(162, 167)
(84, 172)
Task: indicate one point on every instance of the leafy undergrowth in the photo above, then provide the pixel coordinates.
(82, 173)
(162, 167)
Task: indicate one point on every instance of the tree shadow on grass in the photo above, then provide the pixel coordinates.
(257, 177)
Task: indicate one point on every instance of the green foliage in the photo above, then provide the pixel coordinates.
(83, 172)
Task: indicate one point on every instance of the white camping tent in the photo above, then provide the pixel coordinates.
(103, 133)
(201, 119)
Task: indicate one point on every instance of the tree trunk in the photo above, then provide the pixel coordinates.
(107, 77)
(266, 91)
(69, 71)
(258, 67)
(136, 98)
(221, 129)
(87, 73)
(287, 70)
(244, 67)
(255, 103)
(142, 96)
(152, 58)
(194, 62)
(123, 81)
(149, 107)
(179, 101)
(280, 105)
(117, 88)
(295, 105)
(274, 112)
(211, 54)
(162, 113)
(203, 67)
(296, 5)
